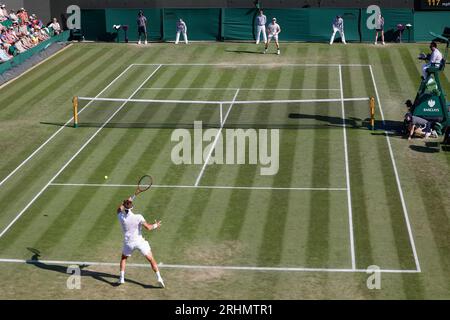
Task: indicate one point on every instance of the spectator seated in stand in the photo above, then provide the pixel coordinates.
(3, 13)
(55, 26)
(4, 56)
(20, 32)
(13, 16)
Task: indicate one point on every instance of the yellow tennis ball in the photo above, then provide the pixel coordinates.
(106, 177)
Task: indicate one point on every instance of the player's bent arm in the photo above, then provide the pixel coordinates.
(151, 227)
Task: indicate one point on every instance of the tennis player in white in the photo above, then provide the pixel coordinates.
(338, 26)
(131, 226)
(274, 30)
(261, 21)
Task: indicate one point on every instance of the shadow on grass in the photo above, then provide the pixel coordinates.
(107, 278)
(425, 149)
(294, 121)
(228, 125)
(245, 51)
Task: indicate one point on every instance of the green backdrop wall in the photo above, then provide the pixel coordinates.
(424, 22)
(129, 17)
(392, 18)
(296, 24)
(203, 24)
(305, 24)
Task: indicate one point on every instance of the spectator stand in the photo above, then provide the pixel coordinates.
(44, 44)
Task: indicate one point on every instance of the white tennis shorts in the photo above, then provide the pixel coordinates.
(274, 36)
(142, 245)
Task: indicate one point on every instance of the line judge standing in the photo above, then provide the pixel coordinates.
(261, 21)
(338, 26)
(181, 28)
(142, 27)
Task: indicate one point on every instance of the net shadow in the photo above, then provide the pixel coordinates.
(333, 124)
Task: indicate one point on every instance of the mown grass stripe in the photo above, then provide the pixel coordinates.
(410, 64)
(99, 140)
(391, 190)
(148, 150)
(274, 216)
(25, 150)
(437, 218)
(361, 225)
(100, 229)
(408, 285)
(232, 224)
(173, 174)
(317, 246)
(33, 180)
(196, 207)
(295, 230)
(59, 228)
(35, 77)
(40, 89)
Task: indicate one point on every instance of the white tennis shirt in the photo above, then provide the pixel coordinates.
(436, 57)
(273, 28)
(131, 226)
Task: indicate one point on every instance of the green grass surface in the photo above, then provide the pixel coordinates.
(259, 228)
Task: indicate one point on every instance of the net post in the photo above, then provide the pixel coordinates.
(221, 114)
(372, 113)
(75, 111)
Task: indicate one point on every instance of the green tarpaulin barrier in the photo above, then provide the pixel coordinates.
(392, 18)
(129, 17)
(298, 24)
(202, 24)
(424, 22)
(93, 24)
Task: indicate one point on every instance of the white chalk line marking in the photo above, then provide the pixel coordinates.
(206, 267)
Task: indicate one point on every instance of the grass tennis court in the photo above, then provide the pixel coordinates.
(344, 198)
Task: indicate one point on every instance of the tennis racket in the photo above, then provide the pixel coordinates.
(144, 184)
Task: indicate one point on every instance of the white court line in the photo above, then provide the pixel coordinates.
(74, 156)
(347, 174)
(242, 89)
(92, 185)
(92, 99)
(397, 178)
(251, 65)
(60, 129)
(206, 267)
(217, 139)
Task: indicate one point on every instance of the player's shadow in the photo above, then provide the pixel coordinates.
(428, 148)
(244, 51)
(331, 121)
(107, 278)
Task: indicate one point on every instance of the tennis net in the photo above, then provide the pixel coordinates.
(302, 113)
